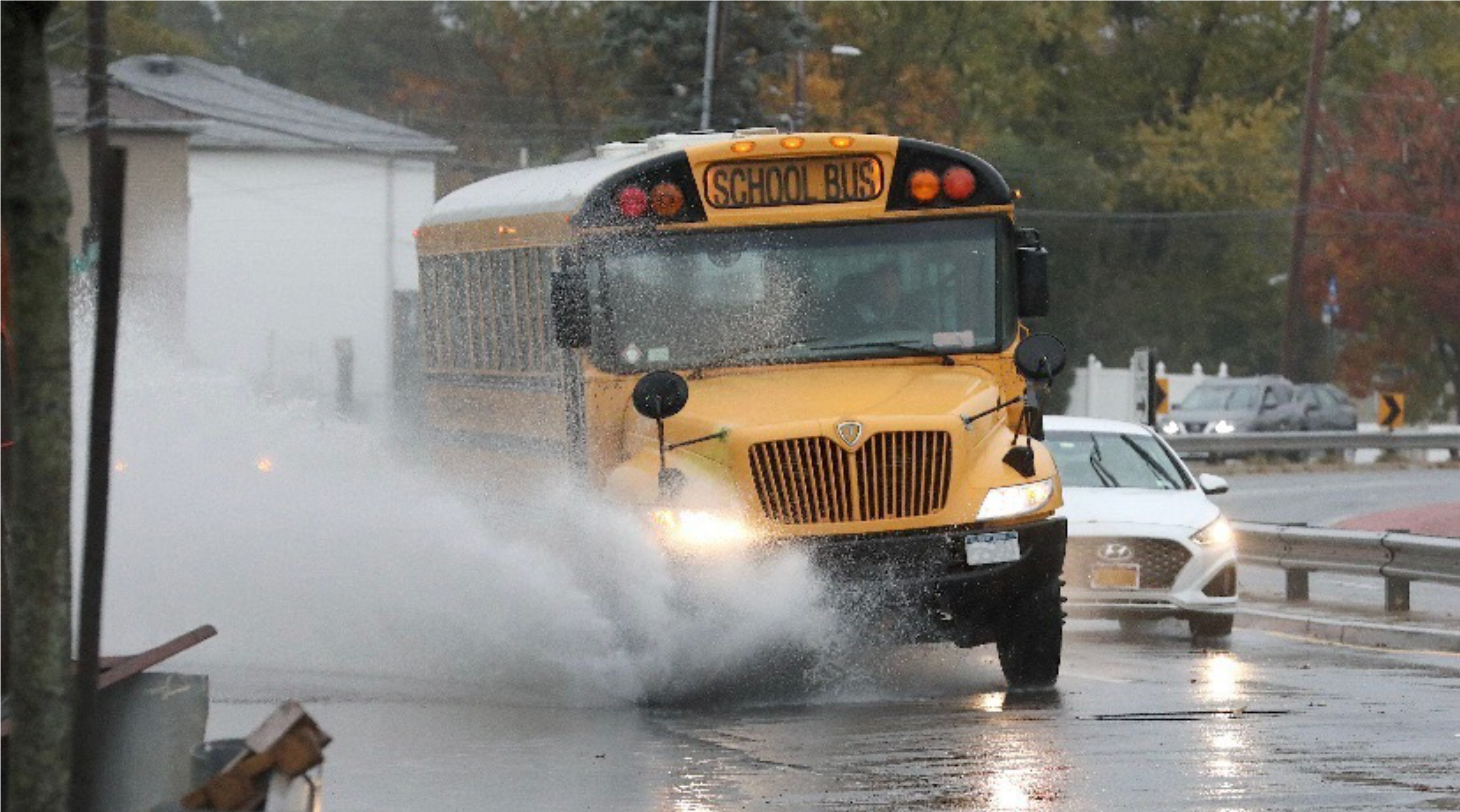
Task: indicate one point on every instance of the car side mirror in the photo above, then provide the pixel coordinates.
(1211, 484)
(569, 298)
(1033, 267)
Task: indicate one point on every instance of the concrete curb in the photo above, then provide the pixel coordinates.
(1351, 631)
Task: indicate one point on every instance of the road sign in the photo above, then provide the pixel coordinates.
(1391, 410)
(1163, 395)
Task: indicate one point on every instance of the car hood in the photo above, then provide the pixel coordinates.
(1093, 511)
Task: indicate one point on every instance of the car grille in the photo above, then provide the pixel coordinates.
(1160, 560)
(893, 475)
(1195, 428)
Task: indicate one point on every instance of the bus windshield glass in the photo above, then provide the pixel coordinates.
(798, 294)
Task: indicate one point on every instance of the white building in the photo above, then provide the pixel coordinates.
(299, 230)
(154, 138)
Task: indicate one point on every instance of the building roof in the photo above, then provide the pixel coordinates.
(246, 113)
(127, 111)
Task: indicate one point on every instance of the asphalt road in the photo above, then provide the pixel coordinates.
(1273, 723)
(1331, 496)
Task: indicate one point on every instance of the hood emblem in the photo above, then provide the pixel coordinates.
(1115, 551)
(849, 432)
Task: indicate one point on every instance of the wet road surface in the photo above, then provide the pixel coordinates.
(1270, 722)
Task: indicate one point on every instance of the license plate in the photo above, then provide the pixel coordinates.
(762, 184)
(992, 548)
(1125, 576)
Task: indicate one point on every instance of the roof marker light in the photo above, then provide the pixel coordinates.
(923, 186)
(742, 146)
(842, 141)
(632, 201)
(666, 199)
(958, 184)
(793, 142)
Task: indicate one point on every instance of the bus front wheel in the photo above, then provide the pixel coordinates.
(1029, 640)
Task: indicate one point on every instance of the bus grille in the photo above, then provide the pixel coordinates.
(893, 475)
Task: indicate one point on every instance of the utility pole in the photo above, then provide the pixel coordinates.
(798, 105)
(710, 48)
(1298, 344)
(107, 189)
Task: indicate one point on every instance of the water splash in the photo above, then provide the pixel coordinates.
(313, 545)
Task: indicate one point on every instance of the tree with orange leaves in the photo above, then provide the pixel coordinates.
(1388, 216)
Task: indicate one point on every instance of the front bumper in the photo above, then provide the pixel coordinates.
(1185, 578)
(926, 576)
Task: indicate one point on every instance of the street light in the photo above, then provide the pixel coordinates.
(847, 51)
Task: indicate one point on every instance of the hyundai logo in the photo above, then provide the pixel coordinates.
(1115, 551)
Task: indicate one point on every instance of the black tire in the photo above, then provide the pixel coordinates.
(1206, 626)
(1030, 639)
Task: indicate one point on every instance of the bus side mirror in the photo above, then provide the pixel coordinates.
(569, 298)
(1033, 267)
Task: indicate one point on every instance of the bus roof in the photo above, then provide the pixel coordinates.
(558, 187)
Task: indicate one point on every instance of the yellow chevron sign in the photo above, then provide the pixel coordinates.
(1391, 410)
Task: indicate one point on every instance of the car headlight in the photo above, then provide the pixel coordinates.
(1217, 534)
(1224, 427)
(1170, 427)
(1015, 500)
(700, 529)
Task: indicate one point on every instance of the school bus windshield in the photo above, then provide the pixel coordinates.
(802, 294)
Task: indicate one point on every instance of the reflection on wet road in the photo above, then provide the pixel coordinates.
(1138, 723)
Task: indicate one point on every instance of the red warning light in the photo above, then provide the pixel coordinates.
(958, 184)
(633, 201)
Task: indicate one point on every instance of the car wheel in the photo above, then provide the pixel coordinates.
(1211, 625)
(1030, 638)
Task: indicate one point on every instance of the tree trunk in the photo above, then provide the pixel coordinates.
(34, 204)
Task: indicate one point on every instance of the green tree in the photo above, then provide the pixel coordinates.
(656, 52)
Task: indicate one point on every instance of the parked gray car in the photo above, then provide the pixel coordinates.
(1327, 408)
(1226, 405)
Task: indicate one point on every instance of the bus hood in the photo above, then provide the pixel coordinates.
(813, 399)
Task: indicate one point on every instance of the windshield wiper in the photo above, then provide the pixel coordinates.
(1097, 462)
(900, 345)
(1150, 462)
(750, 351)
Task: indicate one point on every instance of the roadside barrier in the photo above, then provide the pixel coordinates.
(1259, 441)
(1399, 558)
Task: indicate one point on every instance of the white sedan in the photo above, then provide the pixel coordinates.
(1145, 541)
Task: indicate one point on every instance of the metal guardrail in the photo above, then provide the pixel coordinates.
(1398, 558)
(1256, 441)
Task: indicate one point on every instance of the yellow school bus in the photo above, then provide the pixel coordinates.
(765, 339)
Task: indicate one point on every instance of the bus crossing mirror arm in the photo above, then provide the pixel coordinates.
(658, 396)
(1039, 358)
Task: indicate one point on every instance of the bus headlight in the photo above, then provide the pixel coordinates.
(1217, 534)
(1015, 500)
(700, 529)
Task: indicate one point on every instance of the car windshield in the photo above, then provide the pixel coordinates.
(1113, 460)
(705, 299)
(1209, 397)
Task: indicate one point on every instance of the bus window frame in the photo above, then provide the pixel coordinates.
(586, 249)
